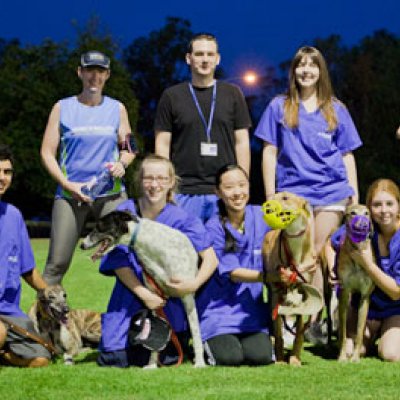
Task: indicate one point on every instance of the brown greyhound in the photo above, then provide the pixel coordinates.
(352, 277)
(291, 249)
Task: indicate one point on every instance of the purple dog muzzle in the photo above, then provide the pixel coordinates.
(358, 228)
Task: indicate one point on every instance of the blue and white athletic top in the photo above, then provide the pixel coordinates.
(88, 140)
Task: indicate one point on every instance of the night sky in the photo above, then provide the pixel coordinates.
(251, 33)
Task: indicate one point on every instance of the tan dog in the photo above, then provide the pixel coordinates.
(352, 277)
(65, 329)
(286, 251)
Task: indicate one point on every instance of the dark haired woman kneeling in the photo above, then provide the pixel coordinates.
(234, 318)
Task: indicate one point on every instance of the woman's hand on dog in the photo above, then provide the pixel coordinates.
(287, 276)
(178, 287)
(362, 257)
(152, 301)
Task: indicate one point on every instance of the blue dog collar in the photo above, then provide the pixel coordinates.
(134, 234)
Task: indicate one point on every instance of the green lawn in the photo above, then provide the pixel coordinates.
(321, 376)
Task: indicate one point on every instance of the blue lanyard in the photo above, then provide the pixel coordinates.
(208, 126)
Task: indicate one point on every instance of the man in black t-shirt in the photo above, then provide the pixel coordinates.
(201, 126)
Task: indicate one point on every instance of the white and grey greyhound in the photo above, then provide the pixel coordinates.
(164, 253)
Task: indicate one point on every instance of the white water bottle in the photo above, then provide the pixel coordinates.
(99, 184)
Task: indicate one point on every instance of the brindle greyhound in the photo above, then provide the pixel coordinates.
(65, 328)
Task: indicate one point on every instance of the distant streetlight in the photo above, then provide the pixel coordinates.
(250, 78)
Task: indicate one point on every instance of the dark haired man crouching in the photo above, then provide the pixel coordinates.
(16, 260)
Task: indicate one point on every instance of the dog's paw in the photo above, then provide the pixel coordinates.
(355, 358)
(294, 361)
(68, 361)
(343, 357)
(200, 364)
(150, 366)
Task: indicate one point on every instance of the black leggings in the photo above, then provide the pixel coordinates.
(239, 349)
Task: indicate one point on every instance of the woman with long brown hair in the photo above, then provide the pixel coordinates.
(383, 201)
(309, 138)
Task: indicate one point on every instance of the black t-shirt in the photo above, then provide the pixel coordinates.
(177, 113)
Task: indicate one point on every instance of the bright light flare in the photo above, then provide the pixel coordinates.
(250, 78)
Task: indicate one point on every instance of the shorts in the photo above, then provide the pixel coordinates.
(339, 206)
(22, 346)
(203, 206)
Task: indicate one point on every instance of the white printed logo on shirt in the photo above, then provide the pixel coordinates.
(325, 135)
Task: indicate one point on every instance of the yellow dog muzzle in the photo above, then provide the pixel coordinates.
(276, 217)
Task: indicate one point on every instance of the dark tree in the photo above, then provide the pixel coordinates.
(156, 62)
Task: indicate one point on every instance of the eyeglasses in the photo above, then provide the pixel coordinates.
(161, 180)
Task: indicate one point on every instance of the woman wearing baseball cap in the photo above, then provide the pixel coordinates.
(89, 131)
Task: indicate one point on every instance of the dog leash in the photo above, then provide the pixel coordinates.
(22, 331)
(291, 264)
(160, 312)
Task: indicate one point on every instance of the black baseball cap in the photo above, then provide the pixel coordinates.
(94, 58)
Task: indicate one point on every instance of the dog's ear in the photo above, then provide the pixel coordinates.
(40, 294)
(128, 216)
(307, 207)
(124, 217)
(371, 229)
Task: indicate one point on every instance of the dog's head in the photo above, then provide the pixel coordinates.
(108, 232)
(284, 208)
(53, 300)
(358, 223)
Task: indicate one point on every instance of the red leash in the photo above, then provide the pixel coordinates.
(291, 264)
(160, 312)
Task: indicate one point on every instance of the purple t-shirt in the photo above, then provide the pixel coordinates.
(16, 258)
(226, 307)
(123, 303)
(381, 305)
(309, 160)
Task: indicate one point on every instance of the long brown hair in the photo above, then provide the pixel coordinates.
(324, 90)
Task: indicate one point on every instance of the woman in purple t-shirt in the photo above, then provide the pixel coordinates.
(234, 318)
(156, 181)
(308, 139)
(383, 200)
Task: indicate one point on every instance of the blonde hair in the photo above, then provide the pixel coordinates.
(154, 158)
(324, 90)
(382, 185)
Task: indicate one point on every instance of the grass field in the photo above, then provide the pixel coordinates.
(321, 376)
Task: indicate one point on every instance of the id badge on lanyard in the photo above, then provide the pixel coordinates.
(207, 148)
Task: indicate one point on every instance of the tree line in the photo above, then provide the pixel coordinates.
(366, 77)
